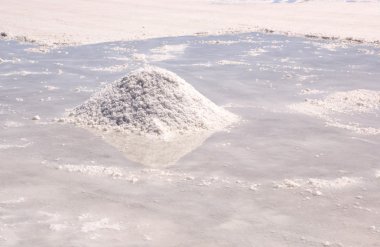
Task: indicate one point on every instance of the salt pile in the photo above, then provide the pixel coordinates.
(151, 101)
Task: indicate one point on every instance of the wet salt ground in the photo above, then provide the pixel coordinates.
(249, 186)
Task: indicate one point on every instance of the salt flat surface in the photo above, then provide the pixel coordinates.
(83, 22)
(280, 177)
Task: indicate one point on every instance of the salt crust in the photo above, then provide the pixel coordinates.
(347, 103)
(316, 183)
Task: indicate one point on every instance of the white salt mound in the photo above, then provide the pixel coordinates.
(151, 101)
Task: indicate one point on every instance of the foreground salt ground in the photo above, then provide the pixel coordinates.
(280, 178)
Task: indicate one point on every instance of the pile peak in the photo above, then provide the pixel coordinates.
(150, 101)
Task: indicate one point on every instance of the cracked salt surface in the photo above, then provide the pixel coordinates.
(284, 178)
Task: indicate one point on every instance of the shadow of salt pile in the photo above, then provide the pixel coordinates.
(154, 152)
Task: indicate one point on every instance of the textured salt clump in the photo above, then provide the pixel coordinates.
(9, 146)
(113, 68)
(150, 101)
(288, 183)
(317, 183)
(58, 227)
(93, 170)
(355, 101)
(337, 183)
(308, 91)
(230, 62)
(355, 127)
(330, 46)
(13, 201)
(256, 52)
(90, 224)
(167, 52)
(355, 104)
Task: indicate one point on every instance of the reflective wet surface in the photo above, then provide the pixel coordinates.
(254, 184)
